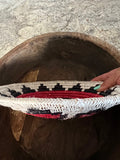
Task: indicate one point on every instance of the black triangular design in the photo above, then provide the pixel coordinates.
(4, 95)
(75, 88)
(27, 90)
(43, 88)
(58, 87)
(14, 93)
(91, 89)
(107, 92)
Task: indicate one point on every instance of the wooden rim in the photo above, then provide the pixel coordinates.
(104, 45)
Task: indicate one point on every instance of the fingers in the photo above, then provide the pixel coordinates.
(109, 79)
(109, 82)
(118, 81)
(101, 77)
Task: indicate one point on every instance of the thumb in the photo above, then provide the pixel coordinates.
(109, 82)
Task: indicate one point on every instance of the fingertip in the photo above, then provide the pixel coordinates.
(101, 89)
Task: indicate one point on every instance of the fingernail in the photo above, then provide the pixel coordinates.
(97, 87)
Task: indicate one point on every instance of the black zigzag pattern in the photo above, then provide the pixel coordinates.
(57, 87)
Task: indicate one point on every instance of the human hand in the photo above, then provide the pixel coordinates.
(109, 79)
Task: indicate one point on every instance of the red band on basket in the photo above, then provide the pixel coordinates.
(60, 94)
(48, 116)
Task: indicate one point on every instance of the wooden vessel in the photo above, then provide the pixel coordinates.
(59, 56)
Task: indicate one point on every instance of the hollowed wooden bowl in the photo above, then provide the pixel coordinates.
(59, 56)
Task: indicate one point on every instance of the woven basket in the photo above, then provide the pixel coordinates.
(65, 57)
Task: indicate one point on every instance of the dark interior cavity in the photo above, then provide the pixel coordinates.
(67, 57)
